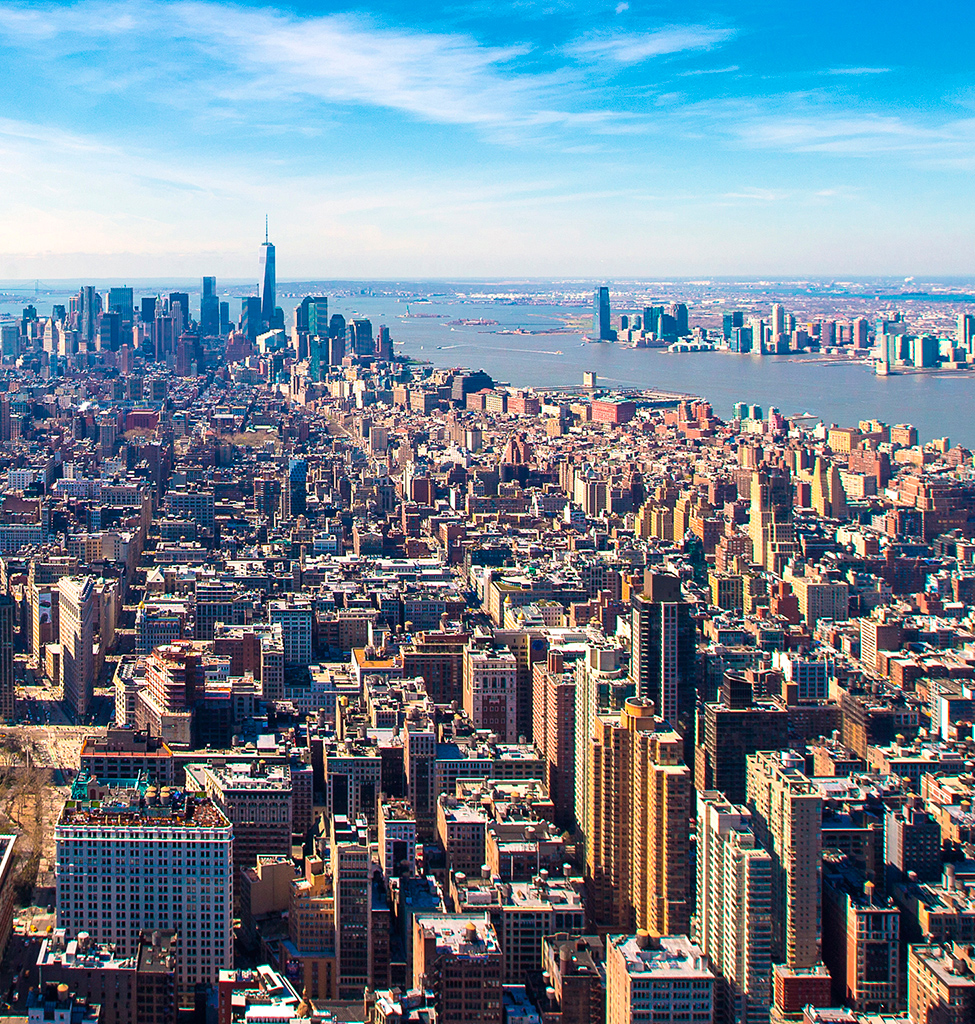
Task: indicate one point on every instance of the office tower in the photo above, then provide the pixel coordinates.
(76, 610)
(384, 345)
(209, 308)
(336, 349)
(458, 957)
(336, 340)
(268, 295)
(294, 615)
(787, 818)
(602, 685)
(147, 309)
(182, 301)
(778, 318)
(120, 300)
(735, 726)
(107, 434)
(940, 984)
(250, 317)
(663, 650)
(89, 306)
(352, 886)
(828, 497)
(770, 523)
(636, 827)
(163, 337)
(109, 332)
(682, 326)
(315, 356)
(861, 332)
(7, 689)
(360, 338)
(311, 315)
(491, 691)
(734, 909)
(729, 322)
(337, 326)
(297, 486)
(554, 732)
(601, 329)
(651, 978)
(135, 863)
(224, 317)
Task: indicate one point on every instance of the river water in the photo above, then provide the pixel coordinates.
(839, 391)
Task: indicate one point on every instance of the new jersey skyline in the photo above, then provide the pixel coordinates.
(536, 139)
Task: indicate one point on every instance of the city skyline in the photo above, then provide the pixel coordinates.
(555, 140)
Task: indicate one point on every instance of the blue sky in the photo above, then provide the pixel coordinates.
(510, 138)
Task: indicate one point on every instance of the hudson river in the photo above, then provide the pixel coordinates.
(940, 404)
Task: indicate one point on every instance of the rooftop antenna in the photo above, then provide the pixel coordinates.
(266, 242)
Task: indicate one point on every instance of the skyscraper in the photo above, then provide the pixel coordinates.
(360, 338)
(770, 523)
(336, 339)
(7, 691)
(636, 827)
(209, 307)
(787, 819)
(77, 633)
(120, 301)
(181, 301)
(601, 330)
(734, 908)
(251, 317)
(168, 869)
(662, 660)
(268, 298)
(90, 305)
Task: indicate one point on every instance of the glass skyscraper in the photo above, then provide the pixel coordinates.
(268, 298)
(601, 330)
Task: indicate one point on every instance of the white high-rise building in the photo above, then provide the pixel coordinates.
(77, 635)
(734, 901)
(128, 860)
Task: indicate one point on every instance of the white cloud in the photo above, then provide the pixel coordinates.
(635, 48)
(709, 71)
(858, 71)
(219, 55)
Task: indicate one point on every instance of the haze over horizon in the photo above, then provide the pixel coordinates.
(520, 138)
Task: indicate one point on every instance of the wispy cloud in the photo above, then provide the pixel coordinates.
(858, 71)
(220, 55)
(634, 48)
(709, 71)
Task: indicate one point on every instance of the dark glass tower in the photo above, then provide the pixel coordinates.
(268, 299)
(209, 307)
(601, 330)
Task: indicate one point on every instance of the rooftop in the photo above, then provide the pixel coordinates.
(666, 957)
